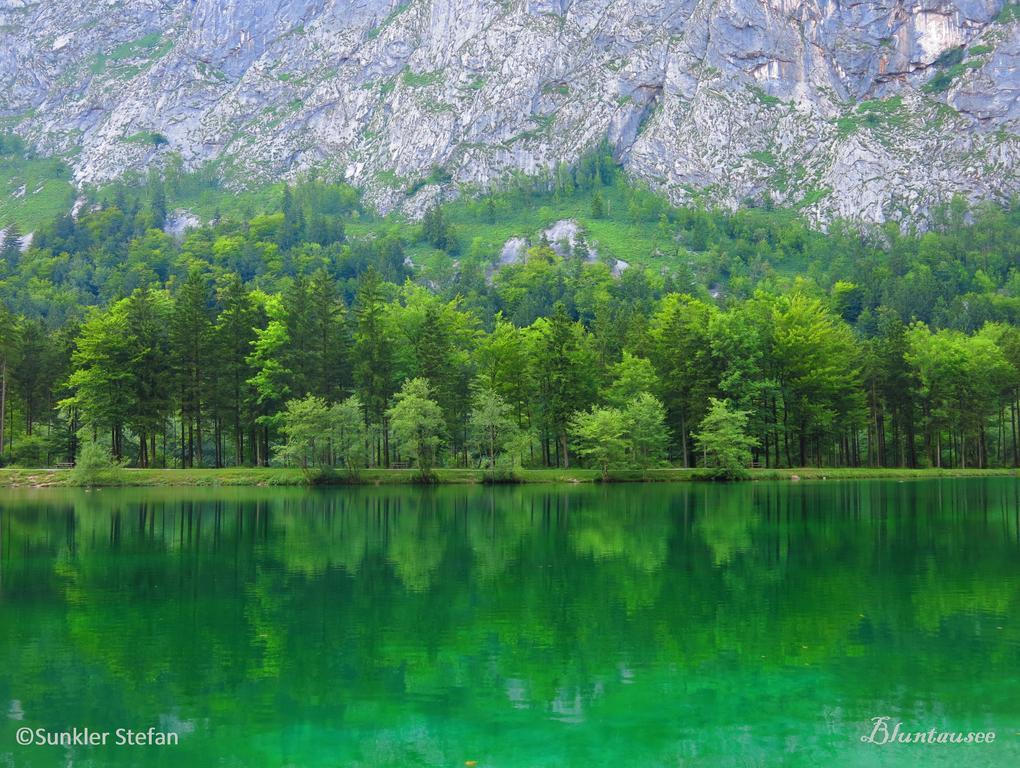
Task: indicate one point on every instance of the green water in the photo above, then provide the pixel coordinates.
(689, 625)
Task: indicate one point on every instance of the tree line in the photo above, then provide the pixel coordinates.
(748, 338)
(217, 373)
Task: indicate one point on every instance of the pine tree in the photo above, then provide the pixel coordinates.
(234, 336)
(373, 357)
(330, 376)
(8, 352)
(561, 371)
(299, 356)
(157, 199)
(10, 254)
(148, 317)
(292, 230)
(191, 337)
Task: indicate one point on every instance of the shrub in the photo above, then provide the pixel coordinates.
(95, 465)
(29, 451)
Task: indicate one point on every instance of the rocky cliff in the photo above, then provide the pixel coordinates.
(870, 110)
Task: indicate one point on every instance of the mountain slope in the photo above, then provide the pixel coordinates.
(869, 111)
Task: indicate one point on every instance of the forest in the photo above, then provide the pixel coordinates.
(316, 333)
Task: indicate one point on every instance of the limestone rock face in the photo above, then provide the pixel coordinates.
(873, 110)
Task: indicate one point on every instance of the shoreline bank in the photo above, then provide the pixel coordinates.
(265, 477)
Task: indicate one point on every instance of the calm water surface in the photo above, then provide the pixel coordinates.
(689, 625)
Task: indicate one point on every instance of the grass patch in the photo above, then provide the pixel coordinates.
(272, 476)
(207, 202)
(542, 125)
(1011, 12)
(765, 157)
(204, 195)
(375, 31)
(421, 79)
(846, 126)
(873, 114)
(151, 47)
(438, 175)
(951, 65)
(391, 180)
(131, 49)
(943, 80)
(887, 107)
(211, 72)
(812, 196)
(33, 190)
(561, 89)
(147, 137)
(765, 98)
(438, 107)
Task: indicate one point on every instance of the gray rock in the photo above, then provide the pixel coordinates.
(811, 103)
(513, 251)
(179, 222)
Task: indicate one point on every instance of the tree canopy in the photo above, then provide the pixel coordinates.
(314, 334)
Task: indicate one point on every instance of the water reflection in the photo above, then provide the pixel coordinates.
(698, 624)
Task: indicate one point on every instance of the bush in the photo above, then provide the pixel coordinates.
(95, 466)
(330, 476)
(500, 475)
(29, 451)
(724, 441)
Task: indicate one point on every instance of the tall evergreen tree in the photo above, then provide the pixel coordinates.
(148, 315)
(562, 372)
(234, 336)
(191, 350)
(373, 358)
(330, 374)
(8, 356)
(681, 351)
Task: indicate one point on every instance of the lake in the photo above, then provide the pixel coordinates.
(758, 624)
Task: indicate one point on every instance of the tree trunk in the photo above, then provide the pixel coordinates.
(880, 449)
(683, 439)
(786, 434)
(775, 434)
(198, 431)
(1013, 427)
(3, 401)
(238, 441)
(982, 454)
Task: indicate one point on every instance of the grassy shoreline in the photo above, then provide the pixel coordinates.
(262, 476)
